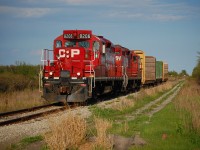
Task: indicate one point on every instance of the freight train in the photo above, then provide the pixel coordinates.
(83, 65)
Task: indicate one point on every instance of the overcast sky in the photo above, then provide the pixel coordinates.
(166, 29)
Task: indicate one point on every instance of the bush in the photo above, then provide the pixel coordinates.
(18, 77)
(196, 70)
(196, 73)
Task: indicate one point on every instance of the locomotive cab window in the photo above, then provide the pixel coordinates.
(58, 44)
(70, 44)
(84, 44)
(96, 46)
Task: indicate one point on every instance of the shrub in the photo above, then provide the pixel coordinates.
(17, 78)
(66, 133)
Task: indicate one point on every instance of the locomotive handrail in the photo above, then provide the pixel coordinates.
(45, 56)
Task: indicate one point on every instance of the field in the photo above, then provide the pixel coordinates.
(176, 126)
(20, 99)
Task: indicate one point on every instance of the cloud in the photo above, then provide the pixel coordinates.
(36, 52)
(26, 12)
(112, 9)
(144, 16)
(165, 17)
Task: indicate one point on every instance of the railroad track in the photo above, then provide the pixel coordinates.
(13, 117)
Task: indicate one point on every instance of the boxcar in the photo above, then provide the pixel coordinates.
(142, 63)
(165, 72)
(159, 71)
(150, 70)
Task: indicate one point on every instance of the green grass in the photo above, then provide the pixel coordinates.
(111, 114)
(166, 122)
(164, 130)
(25, 142)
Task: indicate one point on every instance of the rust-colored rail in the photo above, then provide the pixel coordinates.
(5, 114)
(18, 119)
(29, 117)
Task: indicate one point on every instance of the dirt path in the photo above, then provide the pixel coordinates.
(155, 105)
(165, 102)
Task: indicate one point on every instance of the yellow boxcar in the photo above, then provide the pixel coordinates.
(142, 64)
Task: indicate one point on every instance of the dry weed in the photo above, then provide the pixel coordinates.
(66, 133)
(20, 99)
(122, 104)
(159, 88)
(102, 139)
(189, 99)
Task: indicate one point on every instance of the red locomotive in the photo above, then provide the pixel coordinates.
(85, 65)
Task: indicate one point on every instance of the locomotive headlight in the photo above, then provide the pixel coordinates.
(50, 73)
(67, 52)
(78, 73)
(67, 56)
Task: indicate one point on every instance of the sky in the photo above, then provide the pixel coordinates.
(166, 29)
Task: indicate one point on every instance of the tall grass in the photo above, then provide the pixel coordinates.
(103, 141)
(126, 102)
(188, 104)
(122, 103)
(20, 100)
(66, 133)
(70, 132)
(160, 88)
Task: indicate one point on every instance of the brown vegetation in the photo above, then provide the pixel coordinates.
(20, 100)
(70, 132)
(102, 139)
(188, 103)
(160, 88)
(66, 133)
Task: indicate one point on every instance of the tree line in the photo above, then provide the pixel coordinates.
(196, 70)
(18, 77)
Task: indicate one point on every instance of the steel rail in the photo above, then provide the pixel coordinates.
(32, 116)
(5, 114)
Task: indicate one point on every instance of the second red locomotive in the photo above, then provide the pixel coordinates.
(85, 65)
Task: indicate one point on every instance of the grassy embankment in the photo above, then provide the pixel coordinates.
(174, 127)
(102, 120)
(19, 87)
(177, 126)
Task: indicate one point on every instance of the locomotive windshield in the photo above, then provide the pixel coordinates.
(70, 43)
(84, 44)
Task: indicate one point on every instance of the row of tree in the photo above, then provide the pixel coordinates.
(196, 70)
(18, 77)
(176, 74)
